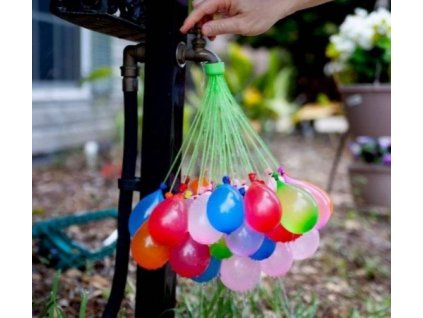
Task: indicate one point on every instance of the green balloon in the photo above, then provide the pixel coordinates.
(219, 250)
(300, 212)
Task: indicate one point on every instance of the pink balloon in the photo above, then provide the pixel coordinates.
(198, 224)
(239, 273)
(322, 198)
(189, 202)
(306, 245)
(279, 263)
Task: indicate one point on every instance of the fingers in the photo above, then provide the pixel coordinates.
(231, 25)
(196, 3)
(202, 9)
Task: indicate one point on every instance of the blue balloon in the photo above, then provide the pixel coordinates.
(211, 271)
(225, 209)
(143, 209)
(265, 250)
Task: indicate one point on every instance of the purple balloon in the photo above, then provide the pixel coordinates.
(244, 241)
(279, 263)
(239, 273)
(198, 224)
(306, 245)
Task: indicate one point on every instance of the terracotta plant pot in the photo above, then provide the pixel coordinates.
(368, 109)
(370, 184)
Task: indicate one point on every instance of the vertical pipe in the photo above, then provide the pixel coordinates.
(125, 205)
(161, 134)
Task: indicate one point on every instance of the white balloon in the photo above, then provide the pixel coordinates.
(198, 224)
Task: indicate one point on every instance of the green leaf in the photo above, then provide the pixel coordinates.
(98, 74)
(83, 307)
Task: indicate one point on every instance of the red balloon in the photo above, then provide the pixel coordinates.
(280, 234)
(190, 258)
(263, 210)
(168, 224)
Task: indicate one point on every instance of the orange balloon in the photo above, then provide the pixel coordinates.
(194, 184)
(146, 252)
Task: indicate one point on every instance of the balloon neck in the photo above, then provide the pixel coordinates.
(281, 171)
(168, 195)
(268, 171)
(163, 186)
(226, 180)
(187, 194)
(242, 191)
(252, 176)
(183, 187)
(275, 176)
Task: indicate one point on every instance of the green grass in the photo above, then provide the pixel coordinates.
(52, 308)
(267, 300)
(373, 309)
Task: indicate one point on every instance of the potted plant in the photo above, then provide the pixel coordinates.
(370, 173)
(360, 61)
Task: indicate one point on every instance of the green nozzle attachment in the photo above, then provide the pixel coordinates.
(217, 68)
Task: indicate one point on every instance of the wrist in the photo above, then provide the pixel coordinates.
(287, 7)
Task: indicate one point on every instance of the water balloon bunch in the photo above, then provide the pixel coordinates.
(235, 214)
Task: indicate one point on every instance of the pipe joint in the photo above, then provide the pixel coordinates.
(132, 55)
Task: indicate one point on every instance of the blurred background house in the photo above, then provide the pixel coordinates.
(67, 111)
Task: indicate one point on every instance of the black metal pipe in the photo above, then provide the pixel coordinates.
(125, 205)
(132, 54)
(161, 135)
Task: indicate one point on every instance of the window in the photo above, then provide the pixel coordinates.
(56, 46)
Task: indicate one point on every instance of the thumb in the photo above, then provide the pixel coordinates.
(232, 25)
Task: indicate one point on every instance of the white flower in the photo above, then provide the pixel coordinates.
(343, 45)
(365, 39)
(360, 12)
(333, 68)
(358, 29)
(380, 20)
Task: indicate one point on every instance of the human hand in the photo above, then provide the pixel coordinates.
(243, 17)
